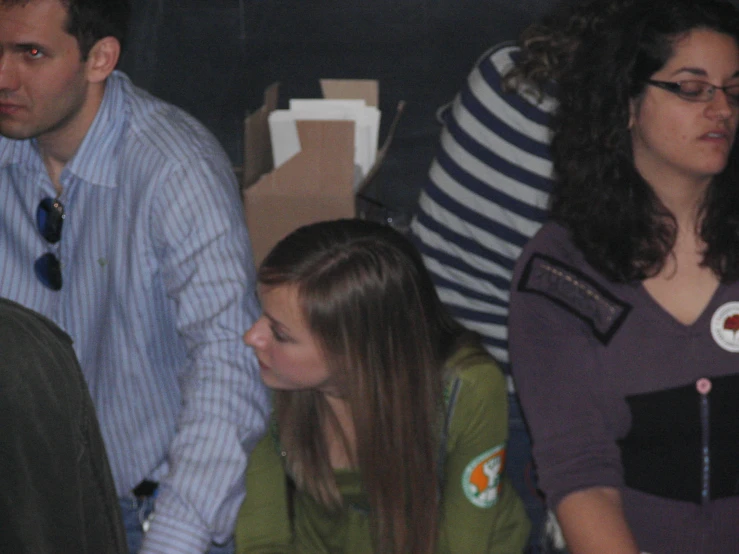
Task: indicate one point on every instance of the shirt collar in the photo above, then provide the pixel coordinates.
(95, 160)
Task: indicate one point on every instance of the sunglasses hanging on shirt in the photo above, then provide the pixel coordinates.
(49, 220)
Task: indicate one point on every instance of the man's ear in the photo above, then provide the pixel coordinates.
(102, 59)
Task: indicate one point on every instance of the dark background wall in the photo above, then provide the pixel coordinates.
(214, 58)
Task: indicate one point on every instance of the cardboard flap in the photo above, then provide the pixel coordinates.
(316, 184)
(323, 167)
(257, 145)
(313, 185)
(382, 152)
(271, 218)
(351, 89)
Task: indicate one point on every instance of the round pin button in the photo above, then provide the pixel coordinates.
(703, 385)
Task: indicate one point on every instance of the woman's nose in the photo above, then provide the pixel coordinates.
(720, 106)
(255, 336)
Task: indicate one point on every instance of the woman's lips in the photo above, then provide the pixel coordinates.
(717, 134)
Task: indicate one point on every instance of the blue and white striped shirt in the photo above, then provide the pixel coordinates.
(486, 195)
(159, 286)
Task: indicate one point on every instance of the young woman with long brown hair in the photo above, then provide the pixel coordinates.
(389, 426)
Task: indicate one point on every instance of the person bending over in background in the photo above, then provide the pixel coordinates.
(488, 189)
(390, 423)
(624, 307)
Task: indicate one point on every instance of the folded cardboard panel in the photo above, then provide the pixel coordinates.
(314, 185)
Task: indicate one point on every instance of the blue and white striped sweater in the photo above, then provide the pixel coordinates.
(486, 195)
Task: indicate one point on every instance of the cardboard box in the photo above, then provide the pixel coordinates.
(316, 184)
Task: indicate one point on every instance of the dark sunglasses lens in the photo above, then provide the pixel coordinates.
(49, 218)
(49, 271)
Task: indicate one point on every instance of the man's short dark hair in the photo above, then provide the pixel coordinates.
(90, 20)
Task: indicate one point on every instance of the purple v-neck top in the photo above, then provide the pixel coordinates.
(618, 393)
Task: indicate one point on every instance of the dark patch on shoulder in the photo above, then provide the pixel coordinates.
(575, 292)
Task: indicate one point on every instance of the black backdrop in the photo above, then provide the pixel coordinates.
(214, 58)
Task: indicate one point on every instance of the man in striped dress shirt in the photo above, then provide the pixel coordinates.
(120, 220)
(488, 188)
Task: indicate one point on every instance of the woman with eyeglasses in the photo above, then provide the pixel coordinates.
(390, 421)
(625, 306)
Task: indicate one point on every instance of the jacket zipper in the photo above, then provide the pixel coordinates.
(704, 388)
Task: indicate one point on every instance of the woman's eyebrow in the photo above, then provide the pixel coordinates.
(698, 72)
(276, 322)
(270, 317)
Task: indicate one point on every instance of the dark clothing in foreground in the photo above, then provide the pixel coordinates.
(58, 494)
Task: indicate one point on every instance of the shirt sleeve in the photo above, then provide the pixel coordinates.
(263, 525)
(481, 512)
(555, 367)
(206, 267)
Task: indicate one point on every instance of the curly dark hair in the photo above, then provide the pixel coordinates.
(90, 20)
(547, 46)
(614, 217)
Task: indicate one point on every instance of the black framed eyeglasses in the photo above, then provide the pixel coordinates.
(698, 91)
(49, 220)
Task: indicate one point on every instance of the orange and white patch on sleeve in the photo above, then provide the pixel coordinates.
(481, 479)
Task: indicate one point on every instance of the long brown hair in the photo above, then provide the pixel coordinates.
(369, 302)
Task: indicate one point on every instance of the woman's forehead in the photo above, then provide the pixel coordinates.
(703, 53)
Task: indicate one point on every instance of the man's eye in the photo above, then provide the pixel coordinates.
(34, 53)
